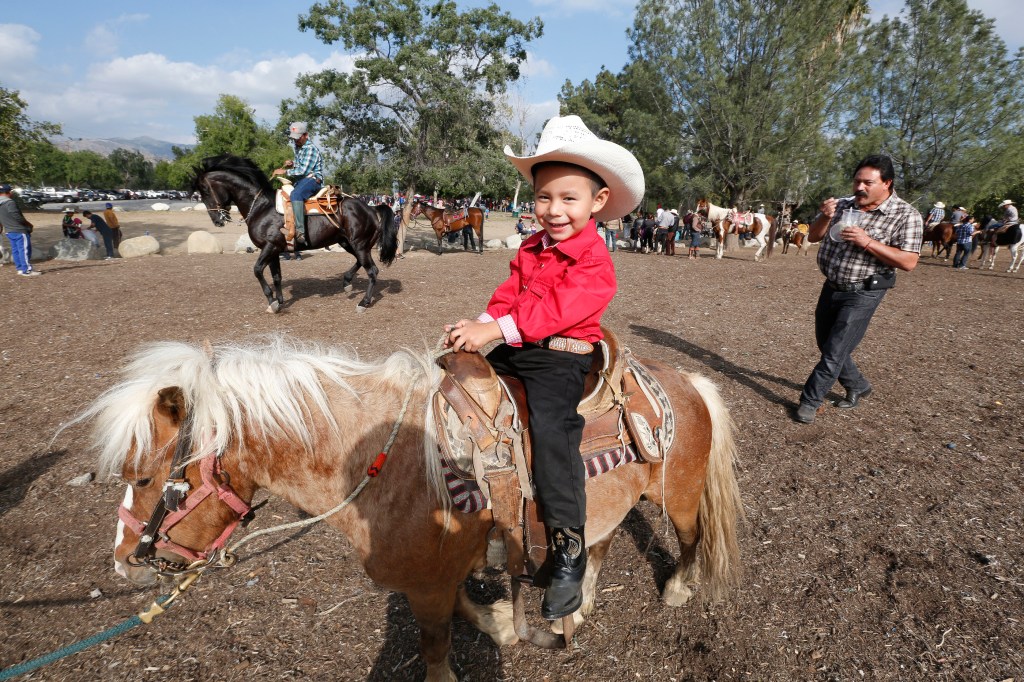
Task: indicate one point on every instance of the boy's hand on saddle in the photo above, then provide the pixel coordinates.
(471, 336)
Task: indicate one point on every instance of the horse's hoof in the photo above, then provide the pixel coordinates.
(273, 307)
(348, 287)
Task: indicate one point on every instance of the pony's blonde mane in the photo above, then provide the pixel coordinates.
(269, 390)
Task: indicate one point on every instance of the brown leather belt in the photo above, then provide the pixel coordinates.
(567, 344)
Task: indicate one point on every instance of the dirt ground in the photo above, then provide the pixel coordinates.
(882, 543)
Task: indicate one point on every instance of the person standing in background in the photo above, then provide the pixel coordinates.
(110, 217)
(19, 232)
(101, 226)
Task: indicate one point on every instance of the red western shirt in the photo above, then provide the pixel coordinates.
(555, 289)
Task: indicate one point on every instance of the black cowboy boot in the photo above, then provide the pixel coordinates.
(568, 564)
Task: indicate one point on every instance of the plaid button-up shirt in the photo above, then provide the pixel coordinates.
(308, 161)
(936, 215)
(894, 222)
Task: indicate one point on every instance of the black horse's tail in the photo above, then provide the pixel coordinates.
(388, 234)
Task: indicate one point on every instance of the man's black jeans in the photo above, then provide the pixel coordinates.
(554, 387)
(840, 320)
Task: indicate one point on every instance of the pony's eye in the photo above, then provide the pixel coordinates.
(142, 482)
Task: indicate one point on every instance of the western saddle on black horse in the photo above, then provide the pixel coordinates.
(482, 430)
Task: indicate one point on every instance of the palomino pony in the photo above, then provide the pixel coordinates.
(225, 180)
(443, 225)
(304, 422)
(794, 237)
(1012, 237)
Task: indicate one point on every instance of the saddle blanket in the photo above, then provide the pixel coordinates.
(455, 216)
(468, 498)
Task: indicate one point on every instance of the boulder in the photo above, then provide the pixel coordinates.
(159, 206)
(513, 241)
(75, 249)
(494, 244)
(202, 241)
(244, 244)
(139, 246)
(199, 206)
(186, 208)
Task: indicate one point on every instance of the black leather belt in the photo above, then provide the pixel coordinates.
(853, 286)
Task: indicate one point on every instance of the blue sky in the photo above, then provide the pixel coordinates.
(127, 69)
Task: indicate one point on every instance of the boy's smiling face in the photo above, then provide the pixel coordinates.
(565, 199)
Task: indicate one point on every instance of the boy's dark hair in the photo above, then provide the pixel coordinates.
(881, 163)
(597, 183)
(86, 214)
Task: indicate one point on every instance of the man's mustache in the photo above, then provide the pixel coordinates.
(860, 193)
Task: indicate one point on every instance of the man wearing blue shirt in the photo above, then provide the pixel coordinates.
(306, 171)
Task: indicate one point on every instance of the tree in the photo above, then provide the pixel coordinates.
(417, 107)
(17, 135)
(133, 170)
(633, 109)
(231, 129)
(88, 169)
(753, 84)
(943, 100)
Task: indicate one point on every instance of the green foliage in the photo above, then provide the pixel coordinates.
(18, 134)
(133, 170)
(89, 169)
(230, 129)
(943, 100)
(418, 106)
(753, 86)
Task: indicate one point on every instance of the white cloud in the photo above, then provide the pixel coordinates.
(536, 66)
(104, 39)
(149, 94)
(17, 46)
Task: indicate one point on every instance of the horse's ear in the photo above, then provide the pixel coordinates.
(170, 403)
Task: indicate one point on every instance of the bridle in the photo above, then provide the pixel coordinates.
(225, 213)
(177, 501)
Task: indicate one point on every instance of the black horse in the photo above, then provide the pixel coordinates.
(225, 180)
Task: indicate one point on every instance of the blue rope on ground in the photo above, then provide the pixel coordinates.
(110, 633)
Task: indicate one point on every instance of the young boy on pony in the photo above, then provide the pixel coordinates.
(548, 314)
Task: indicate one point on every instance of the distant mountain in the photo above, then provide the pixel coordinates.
(152, 149)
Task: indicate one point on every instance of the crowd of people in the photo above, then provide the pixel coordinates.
(968, 231)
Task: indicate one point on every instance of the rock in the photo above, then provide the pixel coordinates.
(244, 244)
(494, 244)
(75, 249)
(84, 479)
(161, 207)
(96, 593)
(513, 241)
(202, 241)
(139, 246)
(234, 209)
(200, 206)
(186, 208)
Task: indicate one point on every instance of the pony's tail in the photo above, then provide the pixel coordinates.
(721, 508)
(772, 233)
(388, 234)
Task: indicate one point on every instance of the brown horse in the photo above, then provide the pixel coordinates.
(762, 230)
(942, 237)
(718, 217)
(304, 422)
(794, 237)
(446, 222)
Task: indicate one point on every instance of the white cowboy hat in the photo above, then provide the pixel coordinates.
(1006, 202)
(939, 204)
(567, 139)
(673, 211)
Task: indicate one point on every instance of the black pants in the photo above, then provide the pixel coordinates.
(468, 238)
(554, 387)
(840, 320)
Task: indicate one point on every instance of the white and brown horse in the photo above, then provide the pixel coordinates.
(304, 423)
(1013, 237)
(718, 217)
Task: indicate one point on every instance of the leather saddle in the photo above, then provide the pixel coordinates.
(326, 201)
(482, 426)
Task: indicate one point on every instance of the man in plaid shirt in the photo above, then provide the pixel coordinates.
(308, 172)
(859, 264)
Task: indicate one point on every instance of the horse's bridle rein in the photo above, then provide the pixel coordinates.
(176, 503)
